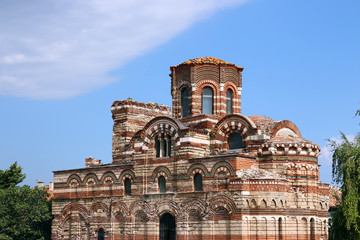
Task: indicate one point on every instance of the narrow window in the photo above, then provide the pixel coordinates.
(168, 146)
(127, 184)
(312, 229)
(157, 146)
(162, 146)
(207, 100)
(162, 184)
(185, 102)
(198, 182)
(229, 103)
(235, 141)
(101, 234)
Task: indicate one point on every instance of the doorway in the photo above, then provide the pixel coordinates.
(167, 227)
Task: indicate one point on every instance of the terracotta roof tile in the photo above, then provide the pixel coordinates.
(207, 60)
(265, 124)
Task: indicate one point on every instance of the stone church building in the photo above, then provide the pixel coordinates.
(198, 170)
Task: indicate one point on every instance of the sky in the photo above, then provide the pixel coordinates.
(63, 64)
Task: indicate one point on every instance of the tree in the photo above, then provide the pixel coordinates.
(345, 223)
(11, 176)
(25, 213)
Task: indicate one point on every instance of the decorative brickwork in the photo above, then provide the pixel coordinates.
(198, 73)
(182, 176)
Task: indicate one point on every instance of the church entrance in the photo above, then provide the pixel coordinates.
(167, 227)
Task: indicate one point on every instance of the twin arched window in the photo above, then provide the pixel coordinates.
(163, 145)
(235, 141)
(207, 100)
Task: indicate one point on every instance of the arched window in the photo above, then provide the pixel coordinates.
(198, 182)
(280, 229)
(312, 229)
(163, 145)
(162, 184)
(235, 141)
(229, 101)
(185, 102)
(207, 100)
(127, 184)
(101, 234)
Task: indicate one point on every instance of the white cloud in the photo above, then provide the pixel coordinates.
(325, 158)
(60, 49)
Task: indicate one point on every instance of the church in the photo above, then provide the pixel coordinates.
(198, 170)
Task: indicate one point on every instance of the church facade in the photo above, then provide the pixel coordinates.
(200, 170)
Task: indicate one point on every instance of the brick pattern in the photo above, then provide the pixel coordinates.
(220, 76)
(269, 189)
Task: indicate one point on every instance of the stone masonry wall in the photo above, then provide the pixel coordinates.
(130, 117)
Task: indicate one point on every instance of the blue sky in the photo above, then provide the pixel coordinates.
(63, 63)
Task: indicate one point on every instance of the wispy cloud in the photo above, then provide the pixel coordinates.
(325, 157)
(60, 49)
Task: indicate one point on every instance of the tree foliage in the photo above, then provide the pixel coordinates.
(11, 176)
(345, 223)
(25, 213)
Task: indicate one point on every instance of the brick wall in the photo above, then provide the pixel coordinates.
(268, 189)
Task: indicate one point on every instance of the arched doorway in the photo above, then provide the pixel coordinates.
(167, 227)
(101, 234)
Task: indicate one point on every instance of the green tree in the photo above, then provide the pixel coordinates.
(11, 176)
(25, 213)
(345, 223)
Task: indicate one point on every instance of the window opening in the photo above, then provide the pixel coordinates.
(163, 145)
(198, 182)
(235, 141)
(162, 184)
(229, 101)
(280, 229)
(312, 229)
(167, 229)
(157, 146)
(127, 184)
(185, 102)
(207, 100)
(101, 234)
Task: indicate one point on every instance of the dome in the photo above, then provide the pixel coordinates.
(208, 60)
